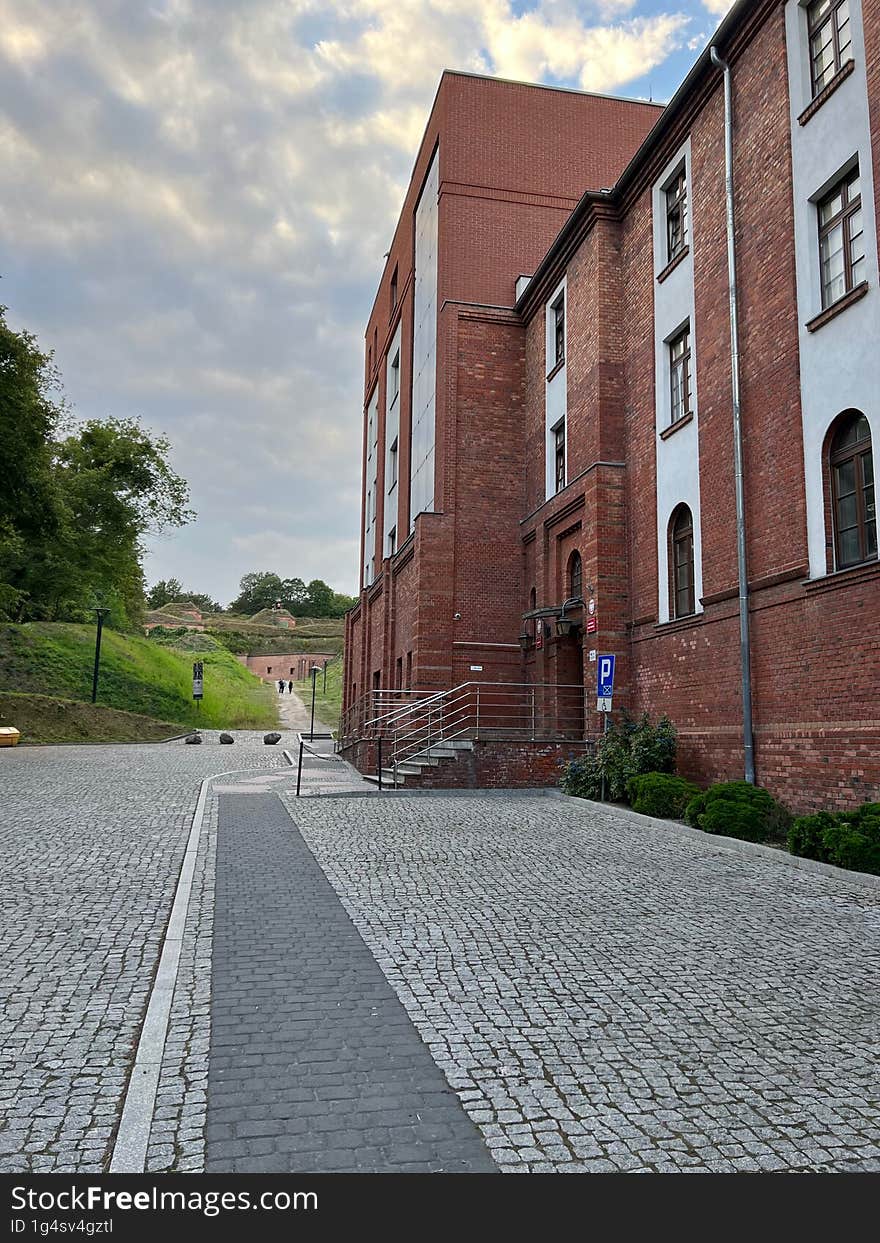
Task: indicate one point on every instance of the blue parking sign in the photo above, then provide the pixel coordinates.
(605, 677)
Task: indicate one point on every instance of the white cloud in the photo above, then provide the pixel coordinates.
(195, 198)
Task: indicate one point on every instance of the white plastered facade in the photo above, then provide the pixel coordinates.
(424, 378)
(371, 490)
(555, 391)
(678, 456)
(839, 362)
(392, 435)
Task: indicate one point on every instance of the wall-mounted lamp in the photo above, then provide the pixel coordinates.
(565, 625)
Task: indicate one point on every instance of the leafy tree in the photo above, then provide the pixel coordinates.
(262, 589)
(167, 591)
(164, 592)
(257, 591)
(341, 604)
(320, 599)
(76, 501)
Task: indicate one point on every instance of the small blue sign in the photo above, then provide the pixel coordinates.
(605, 677)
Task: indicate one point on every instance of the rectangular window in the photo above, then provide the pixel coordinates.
(558, 310)
(392, 465)
(676, 215)
(394, 291)
(830, 40)
(559, 455)
(395, 380)
(680, 375)
(409, 671)
(841, 239)
(392, 542)
(398, 673)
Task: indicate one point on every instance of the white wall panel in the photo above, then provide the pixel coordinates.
(678, 457)
(840, 363)
(424, 380)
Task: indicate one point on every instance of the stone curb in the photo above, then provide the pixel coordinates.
(714, 843)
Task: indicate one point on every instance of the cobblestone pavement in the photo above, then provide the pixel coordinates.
(604, 996)
(91, 840)
(314, 1063)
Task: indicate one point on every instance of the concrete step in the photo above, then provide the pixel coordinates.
(387, 778)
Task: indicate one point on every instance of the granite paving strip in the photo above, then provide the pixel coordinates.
(91, 841)
(605, 996)
(314, 1064)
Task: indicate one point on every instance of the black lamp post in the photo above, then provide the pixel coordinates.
(326, 663)
(101, 614)
(315, 671)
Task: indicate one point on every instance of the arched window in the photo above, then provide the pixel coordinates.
(575, 576)
(852, 491)
(682, 597)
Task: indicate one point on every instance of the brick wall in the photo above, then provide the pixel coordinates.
(815, 645)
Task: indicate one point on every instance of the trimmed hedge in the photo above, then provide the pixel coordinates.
(661, 794)
(738, 809)
(848, 839)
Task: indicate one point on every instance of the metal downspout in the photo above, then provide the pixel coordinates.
(745, 649)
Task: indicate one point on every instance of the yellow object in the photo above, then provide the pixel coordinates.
(9, 736)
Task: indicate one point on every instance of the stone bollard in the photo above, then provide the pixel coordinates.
(271, 739)
(227, 739)
(194, 739)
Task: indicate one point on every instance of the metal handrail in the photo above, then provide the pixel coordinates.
(494, 708)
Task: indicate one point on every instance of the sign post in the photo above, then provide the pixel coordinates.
(604, 693)
(198, 682)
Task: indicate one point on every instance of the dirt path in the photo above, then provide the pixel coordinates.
(294, 714)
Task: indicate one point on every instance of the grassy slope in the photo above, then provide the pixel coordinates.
(41, 718)
(137, 675)
(321, 634)
(327, 707)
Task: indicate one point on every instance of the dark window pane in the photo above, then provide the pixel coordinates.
(850, 552)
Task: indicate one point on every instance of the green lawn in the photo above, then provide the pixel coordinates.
(137, 675)
(328, 708)
(42, 718)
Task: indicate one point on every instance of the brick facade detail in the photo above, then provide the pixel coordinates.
(455, 593)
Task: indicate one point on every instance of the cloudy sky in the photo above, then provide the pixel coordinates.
(195, 198)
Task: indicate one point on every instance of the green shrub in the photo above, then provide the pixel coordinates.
(628, 749)
(660, 794)
(653, 747)
(849, 839)
(738, 809)
(806, 836)
(581, 778)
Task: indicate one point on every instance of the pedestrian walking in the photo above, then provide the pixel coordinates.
(281, 686)
(290, 688)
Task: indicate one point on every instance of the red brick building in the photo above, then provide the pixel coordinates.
(550, 438)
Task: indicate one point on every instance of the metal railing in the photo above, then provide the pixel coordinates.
(474, 711)
(405, 725)
(366, 717)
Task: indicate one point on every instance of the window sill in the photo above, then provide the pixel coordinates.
(831, 312)
(679, 423)
(826, 92)
(681, 623)
(864, 571)
(673, 264)
(556, 369)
